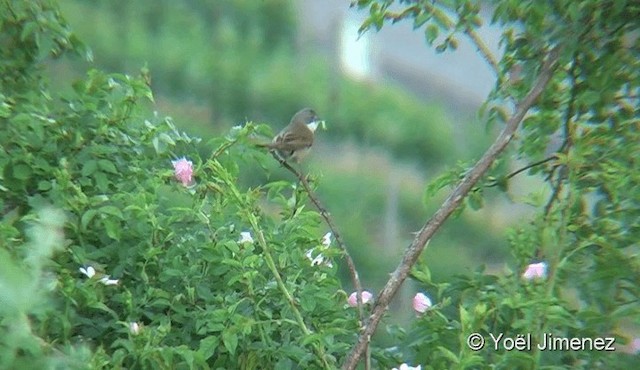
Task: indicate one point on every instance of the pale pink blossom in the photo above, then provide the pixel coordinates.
(353, 298)
(535, 271)
(183, 171)
(421, 303)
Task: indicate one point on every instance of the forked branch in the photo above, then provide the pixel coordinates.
(448, 207)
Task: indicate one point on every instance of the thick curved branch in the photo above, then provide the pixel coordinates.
(450, 204)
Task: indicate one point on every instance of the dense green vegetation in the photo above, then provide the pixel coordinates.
(109, 258)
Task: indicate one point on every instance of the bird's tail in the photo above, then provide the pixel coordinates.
(261, 142)
(264, 145)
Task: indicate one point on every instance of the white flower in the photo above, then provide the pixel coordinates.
(89, 271)
(314, 260)
(407, 367)
(326, 239)
(245, 237)
(421, 303)
(318, 260)
(535, 271)
(107, 281)
(134, 328)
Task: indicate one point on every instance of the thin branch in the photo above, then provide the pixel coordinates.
(283, 288)
(520, 170)
(534, 164)
(484, 50)
(482, 47)
(571, 105)
(327, 218)
(568, 139)
(448, 207)
(223, 148)
(554, 195)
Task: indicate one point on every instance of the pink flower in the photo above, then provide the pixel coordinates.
(353, 298)
(183, 170)
(421, 303)
(535, 271)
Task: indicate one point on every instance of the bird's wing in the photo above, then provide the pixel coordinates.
(289, 141)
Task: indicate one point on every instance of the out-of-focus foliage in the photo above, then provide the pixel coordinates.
(194, 48)
(240, 59)
(587, 125)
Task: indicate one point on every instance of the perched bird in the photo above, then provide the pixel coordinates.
(295, 140)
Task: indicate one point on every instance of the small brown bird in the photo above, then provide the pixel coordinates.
(295, 140)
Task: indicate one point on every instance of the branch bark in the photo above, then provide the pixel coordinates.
(450, 204)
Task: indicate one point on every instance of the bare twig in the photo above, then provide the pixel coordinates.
(223, 148)
(554, 195)
(450, 204)
(482, 47)
(484, 50)
(520, 170)
(327, 218)
(568, 139)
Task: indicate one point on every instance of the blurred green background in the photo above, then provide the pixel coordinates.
(218, 63)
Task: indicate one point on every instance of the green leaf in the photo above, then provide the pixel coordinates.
(448, 354)
(475, 200)
(107, 166)
(21, 171)
(111, 210)
(284, 364)
(230, 340)
(308, 302)
(102, 182)
(421, 19)
(89, 167)
(86, 218)
(44, 185)
(431, 33)
(421, 273)
(112, 228)
(208, 346)
(464, 318)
